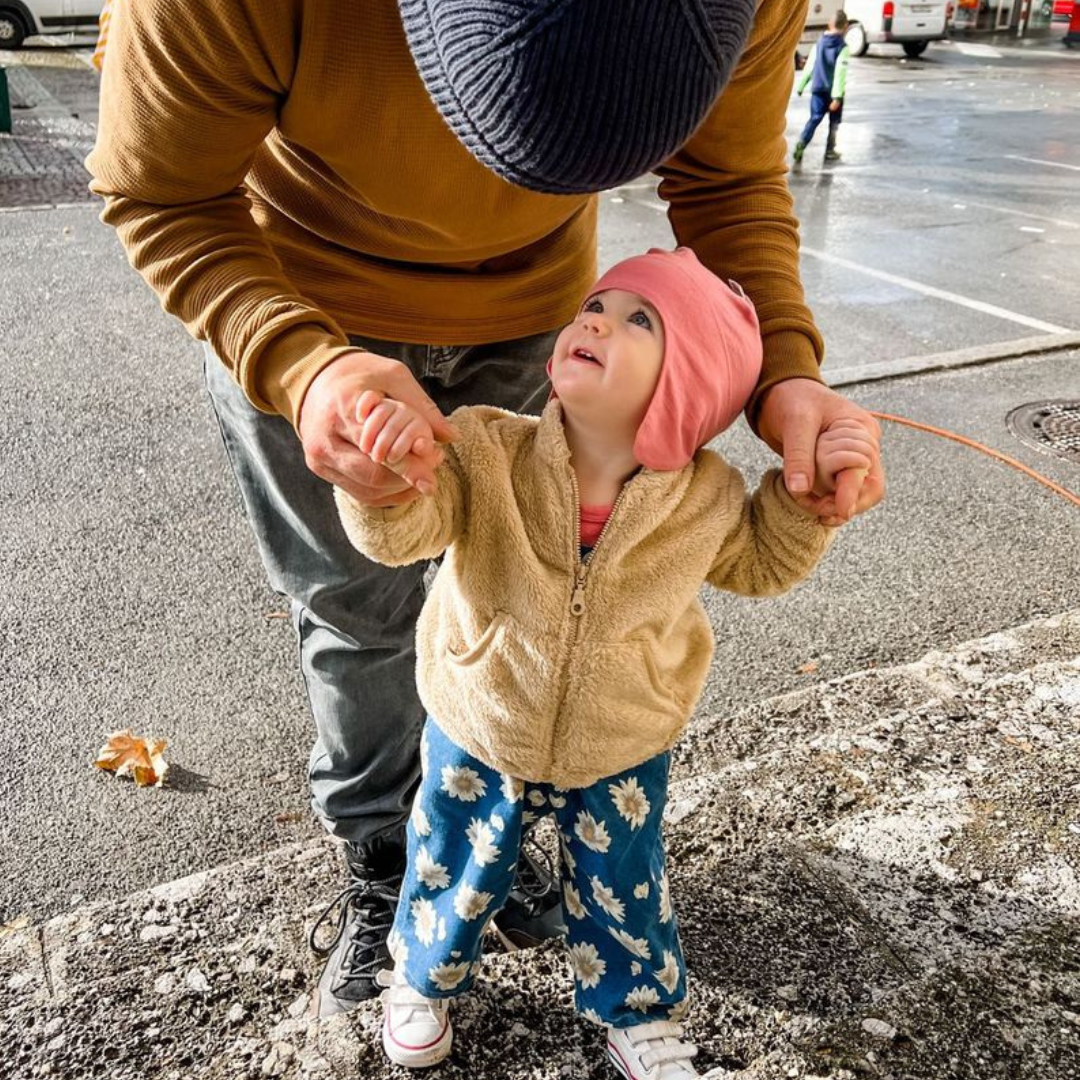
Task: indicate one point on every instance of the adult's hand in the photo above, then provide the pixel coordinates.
(330, 430)
(793, 415)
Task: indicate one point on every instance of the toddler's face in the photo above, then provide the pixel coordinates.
(609, 357)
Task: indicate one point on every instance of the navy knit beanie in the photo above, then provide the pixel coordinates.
(573, 96)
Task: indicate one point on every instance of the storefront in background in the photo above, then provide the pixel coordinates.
(1019, 16)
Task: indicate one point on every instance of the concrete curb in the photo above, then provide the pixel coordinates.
(979, 354)
(876, 876)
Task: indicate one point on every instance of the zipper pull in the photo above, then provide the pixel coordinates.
(577, 601)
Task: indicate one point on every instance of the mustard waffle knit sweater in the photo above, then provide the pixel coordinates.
(279, 176)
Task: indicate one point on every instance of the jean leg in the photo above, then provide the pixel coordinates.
(819, 108)
(355, 622)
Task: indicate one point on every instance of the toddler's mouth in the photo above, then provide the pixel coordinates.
(585, 357)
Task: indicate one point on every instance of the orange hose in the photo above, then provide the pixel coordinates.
(1063, 492)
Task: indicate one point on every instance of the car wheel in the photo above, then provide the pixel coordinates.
(12, 31)
(855, 39)
(915, 48)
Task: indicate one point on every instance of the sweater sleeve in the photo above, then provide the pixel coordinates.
(807, 72)
(773, 544)
(188, 96)
(839, 82)
(729, 201)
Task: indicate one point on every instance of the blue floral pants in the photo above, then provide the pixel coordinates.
(463, 841)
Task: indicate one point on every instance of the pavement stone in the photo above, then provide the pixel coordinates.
(877, 876)
(41, 160)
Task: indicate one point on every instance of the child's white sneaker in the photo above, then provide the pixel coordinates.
(654, 1051)
(416, 1030)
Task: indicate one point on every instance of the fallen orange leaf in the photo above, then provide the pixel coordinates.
(129, 755)
(808, 668)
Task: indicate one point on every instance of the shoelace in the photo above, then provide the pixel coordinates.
(663, 1046)
(535, 872)
(401, 994)
(373, 904)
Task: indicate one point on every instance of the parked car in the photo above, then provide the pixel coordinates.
(20, 19)
(899, 22)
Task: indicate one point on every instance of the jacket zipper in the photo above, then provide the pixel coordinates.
(577, 599)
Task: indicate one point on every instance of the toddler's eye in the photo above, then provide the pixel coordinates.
(639, 318)
(595, 304)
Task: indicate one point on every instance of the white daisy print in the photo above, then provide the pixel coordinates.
(572, 901)
(639, 946)
(557, 801)
(397, 947)
(448, 976)
(607, 900)
(463, 783)
(432, 874)
(528, 817)
(441, 935)
(512, 788)
(678, 1010)
(421, 825)
(482, 840)
(592, 833)
(470, 904)
(497, 821)
(423, 913)
(536, 798)
(642, 998)
(668, 975)
(635, 969)
(667, 912)
(593, 1017)
(630, 800)
(641, 892)
(588, 966)
(568, 857)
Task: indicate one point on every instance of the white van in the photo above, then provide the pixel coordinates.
(20, 19)
(897, 22)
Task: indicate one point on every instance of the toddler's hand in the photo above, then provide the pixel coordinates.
(392, 430)
(843, 456)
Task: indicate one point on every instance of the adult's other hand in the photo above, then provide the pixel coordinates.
(793, 415)
(330, 430)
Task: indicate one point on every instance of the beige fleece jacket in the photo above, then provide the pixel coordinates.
(552, 669)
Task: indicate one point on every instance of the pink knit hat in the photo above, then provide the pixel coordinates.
(712, 353)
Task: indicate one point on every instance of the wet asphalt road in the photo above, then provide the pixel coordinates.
(129, 590)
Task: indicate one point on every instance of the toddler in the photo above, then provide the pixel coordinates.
(563, 647)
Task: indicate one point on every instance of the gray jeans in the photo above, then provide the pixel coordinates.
(355, 620)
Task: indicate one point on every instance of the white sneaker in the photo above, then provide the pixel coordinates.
(416, 1030)
(654, 1051)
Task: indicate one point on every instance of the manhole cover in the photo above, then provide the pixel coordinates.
(1050, 426)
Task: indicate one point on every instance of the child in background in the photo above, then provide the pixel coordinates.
(826, 71)
(563, 646)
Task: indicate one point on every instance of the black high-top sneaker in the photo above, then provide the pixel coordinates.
(365, 914)
(533, 912)
(831, 153)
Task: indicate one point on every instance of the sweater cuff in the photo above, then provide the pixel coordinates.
(281, 374)
(789, 354)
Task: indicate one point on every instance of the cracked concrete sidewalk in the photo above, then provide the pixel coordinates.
(877, 876)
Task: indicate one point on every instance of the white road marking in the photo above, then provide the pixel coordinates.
(939, 294)
(977, 50)
(1040, 161)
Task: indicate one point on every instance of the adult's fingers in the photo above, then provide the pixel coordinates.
(799, 440)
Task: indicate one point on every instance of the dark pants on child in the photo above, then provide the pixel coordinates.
(819, 109)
